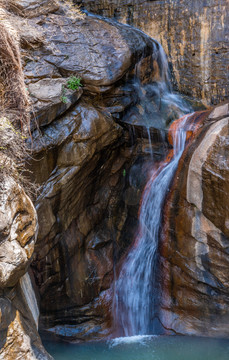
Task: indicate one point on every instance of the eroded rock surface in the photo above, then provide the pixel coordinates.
(33, 8)
(18, 233)
(19, 338)
(195, 241)
(80, 161)
(194, 35)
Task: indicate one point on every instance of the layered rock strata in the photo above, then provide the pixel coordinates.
(194, 35)
(19, 338)
(81, 156)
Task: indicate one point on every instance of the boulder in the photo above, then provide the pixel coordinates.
(51, 99)
(104, 54)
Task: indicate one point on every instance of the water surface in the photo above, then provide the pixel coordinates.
(144, 348)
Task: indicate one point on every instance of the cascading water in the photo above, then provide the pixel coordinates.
(155, 103)
(135, 289)
(135, 297)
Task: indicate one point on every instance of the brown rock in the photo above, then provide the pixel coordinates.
(194, 252)
(18, 228)
(51, 99)
(32, 8)
(19, 337)
(78, 163)
(18, 305)
(197, 51)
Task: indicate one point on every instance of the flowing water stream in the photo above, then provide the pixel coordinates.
(135, 290)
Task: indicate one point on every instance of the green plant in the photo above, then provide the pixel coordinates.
(74, 83)
(64, 99)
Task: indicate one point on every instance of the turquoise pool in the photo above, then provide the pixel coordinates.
(144, 348)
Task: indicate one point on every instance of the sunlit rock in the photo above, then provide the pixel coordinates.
(194, 249)
(193, 34)
(18, 232)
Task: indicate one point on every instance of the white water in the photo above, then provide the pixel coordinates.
(135, 288)
(156, 105)
(137, 339)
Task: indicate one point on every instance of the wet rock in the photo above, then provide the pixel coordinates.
(79, 160)
(194, 252)
(195, 44)
(82, 147)
(97, 63)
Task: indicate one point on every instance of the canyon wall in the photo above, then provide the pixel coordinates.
(19, 338)
(194, 35)
(80, 158)
(195, 240)
(19, 310)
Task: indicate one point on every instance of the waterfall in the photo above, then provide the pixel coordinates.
(30, 297)
(135, 288)
(155, 103)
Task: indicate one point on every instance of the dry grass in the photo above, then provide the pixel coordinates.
(14, 104)
(13, 153)
(13, 96)
(14, 101)
(72, 10)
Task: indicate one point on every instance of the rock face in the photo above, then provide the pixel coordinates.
(80, 160)
(194, 252)
(19, 312)
(18, 230)
(19, 338)
(194, 35)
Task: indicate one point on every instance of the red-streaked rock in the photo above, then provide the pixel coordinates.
(194, 247)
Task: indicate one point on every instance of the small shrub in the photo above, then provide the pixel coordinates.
(74, 83)
(64, 99)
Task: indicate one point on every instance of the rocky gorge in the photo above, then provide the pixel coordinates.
(90, 163)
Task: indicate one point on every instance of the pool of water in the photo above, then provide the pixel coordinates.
(144, 348)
